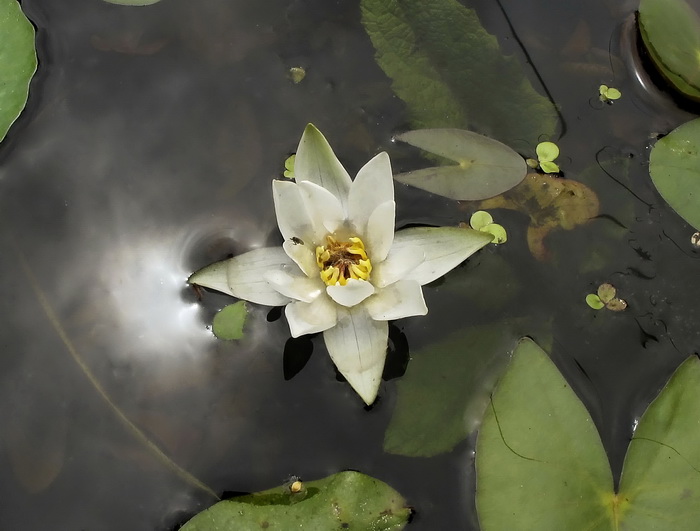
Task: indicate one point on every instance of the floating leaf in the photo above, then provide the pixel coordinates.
(616, 305)
(347, 500)
(289, 166)
(539, 455)
(670, 30)
(297, 74)
(594, 301)
(547, 151)
(485, 167)
(609, 93)
(606, 292)
(674, 165)
(450, 71)
(499, 233)
(228, 323)
(480, 219)
(549, 167)
(17, 62)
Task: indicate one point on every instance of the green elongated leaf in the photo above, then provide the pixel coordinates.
(228, 323)
(485, 167)
(451, 73)
(539, 460)
(17, 62)
(670, 30)
(674, 166)
(347, 500)
(660, 484)
(444, 391)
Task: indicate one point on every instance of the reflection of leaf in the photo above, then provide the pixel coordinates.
(17, 62)
(484, 168)
(345, 500)
(674, 165)
(451, 73)
(671, 33)
(551, 203)
(539, 455)
(444, 391)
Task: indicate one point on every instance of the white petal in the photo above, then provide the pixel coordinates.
(310, 318)
(444, 248)
(316, 162)
(214, 276)
(303, 256)
(380, 231)
(402, 299)
(323, 207)
(357, 345)
(293, 218)
(297, 287)
(373, 186)
(246, 275)
(399, 262)
(352, 293)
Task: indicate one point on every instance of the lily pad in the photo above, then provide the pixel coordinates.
(347, 500)
(485, 167)
(670, 30)
(539, 455)
(451, 73)
(228, 323)
(17, 62)
(674, 166)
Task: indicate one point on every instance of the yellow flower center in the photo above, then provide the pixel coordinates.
(342, 260)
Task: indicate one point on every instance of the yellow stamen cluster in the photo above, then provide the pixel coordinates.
(343, 260)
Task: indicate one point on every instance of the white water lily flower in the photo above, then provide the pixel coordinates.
(342, 270)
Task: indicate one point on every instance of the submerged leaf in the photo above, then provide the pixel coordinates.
(670, 30)
(485, 167)
(17, 62)
(347, 500)
(674, 165)
(228, 323)
(606, 292)
(440, 59)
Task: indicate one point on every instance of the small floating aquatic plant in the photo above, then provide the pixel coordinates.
(341, 269)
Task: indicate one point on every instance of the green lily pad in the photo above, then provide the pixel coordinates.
(485, 167)
(17, 62)
(347, 500)
(547, 151)
(228, 323)
(497, 231)
(670, 30)
(480, 219)
(594, 301)
(539, 455)
(674, 166)
(451, 73)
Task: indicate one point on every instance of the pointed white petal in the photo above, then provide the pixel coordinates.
(303, 256)
(399, 262)
(297, 287)
(293, 218)
(380, 231)
(316, 162)
(357, 345)
(373, 186)
(402, 299)
(310, 318)
(444, 248)
(352, 293)
(214, 276)
(323, 207)
(246, 275)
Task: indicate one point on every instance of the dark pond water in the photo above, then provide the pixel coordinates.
(147, 150)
